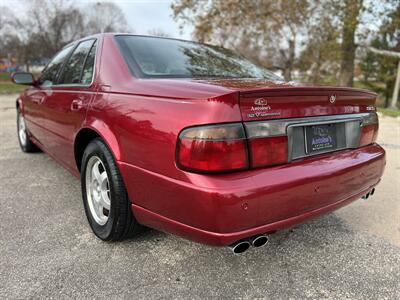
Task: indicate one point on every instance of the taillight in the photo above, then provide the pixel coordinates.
(239, 146)
(216, 148)
(268, 143)
(268, 151)
(369, 129)
(222, 148)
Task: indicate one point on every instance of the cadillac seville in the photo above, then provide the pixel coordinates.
(197, 141)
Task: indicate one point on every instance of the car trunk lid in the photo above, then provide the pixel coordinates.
(295, 102)
(297, 122)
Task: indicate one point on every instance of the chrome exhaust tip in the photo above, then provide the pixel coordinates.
(259, 241)
(370, 193)
(240, 247)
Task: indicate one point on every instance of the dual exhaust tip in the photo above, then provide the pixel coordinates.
(244, 245)
(261, 240)
(370, 193)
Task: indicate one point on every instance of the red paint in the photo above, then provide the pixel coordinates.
(268, 151)
(369, 134)
(223, 239)
(141, 119)
(206, 155)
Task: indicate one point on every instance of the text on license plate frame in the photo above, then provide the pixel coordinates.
(320, 138)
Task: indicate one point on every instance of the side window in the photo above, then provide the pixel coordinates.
(49, 74)
(73, 70)
(88, 69)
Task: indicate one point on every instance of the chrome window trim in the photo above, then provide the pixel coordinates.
(78, 85)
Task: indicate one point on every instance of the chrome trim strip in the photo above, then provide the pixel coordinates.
(77, 85)
(352, 141)
(279, 126)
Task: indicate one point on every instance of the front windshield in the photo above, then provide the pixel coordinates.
(165, 58)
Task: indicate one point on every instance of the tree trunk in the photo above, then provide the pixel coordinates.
(316, 70)
(386, 105)
(348, 48)
(288, 68)
(287, 74)
(393, 103)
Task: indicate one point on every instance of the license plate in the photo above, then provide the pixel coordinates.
(320, 138)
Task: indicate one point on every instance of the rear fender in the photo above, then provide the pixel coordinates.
(104, 131)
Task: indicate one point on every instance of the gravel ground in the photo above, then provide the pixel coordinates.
(48, 251)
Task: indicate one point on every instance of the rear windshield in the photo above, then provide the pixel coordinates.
(165, 58)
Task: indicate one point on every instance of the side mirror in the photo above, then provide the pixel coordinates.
(23, 78)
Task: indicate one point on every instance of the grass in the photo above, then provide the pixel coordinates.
(7, 87)
(5, 77)
(11, 88)
(389, 112)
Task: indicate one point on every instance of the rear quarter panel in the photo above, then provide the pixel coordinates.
(142, 132)
(145, 128)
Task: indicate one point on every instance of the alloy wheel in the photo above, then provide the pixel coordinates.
(22, 130)
(98, 190)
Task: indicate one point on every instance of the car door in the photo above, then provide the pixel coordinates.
(35, 115)
(66, 105)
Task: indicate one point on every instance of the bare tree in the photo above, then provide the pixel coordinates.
(55, 24)
(4, 17)
(40, 33)
(6, 26)
(48, 25)
(104, 17)
(158, 32)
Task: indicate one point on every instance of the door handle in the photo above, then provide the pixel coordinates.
(76, 104)
(37, 100)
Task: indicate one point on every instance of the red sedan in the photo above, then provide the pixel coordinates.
(195, 140)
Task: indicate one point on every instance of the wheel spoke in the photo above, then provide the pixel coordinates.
(95, 171)
(105, 200)
(95, 205)
(22, 130)
(100, 209)
(96, 197)
(103, 178)
(98, 190)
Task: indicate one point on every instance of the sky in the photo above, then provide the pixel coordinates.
(144, 15)
(141, 15)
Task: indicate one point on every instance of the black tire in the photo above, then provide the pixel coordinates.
(121, 223)
(26, 144)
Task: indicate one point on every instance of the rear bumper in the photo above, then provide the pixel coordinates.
(222, 239)
(221, 209)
